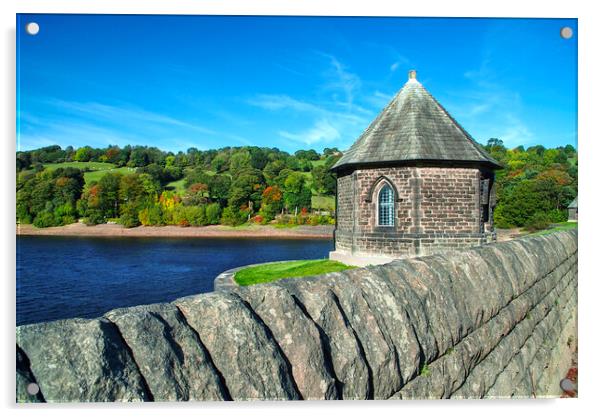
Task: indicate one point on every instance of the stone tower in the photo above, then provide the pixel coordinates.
(414, 183)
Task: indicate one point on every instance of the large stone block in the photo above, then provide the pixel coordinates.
(241, 347)
(81, 360)
(169, 354)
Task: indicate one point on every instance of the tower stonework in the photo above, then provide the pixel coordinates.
(414, 183)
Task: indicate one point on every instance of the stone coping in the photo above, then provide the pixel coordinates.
(361, 260)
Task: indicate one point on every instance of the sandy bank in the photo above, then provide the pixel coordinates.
(113, 230)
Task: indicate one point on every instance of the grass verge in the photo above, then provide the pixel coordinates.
(291, 269)
(557, 227)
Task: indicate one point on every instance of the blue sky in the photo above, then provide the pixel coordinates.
(177, 82)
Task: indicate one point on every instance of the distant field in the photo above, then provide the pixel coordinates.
(322, 202)
(82, 165)
(178, 186)
(98, 169)
(97, 175)
(318, 162)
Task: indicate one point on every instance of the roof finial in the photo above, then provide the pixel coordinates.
(411, 74)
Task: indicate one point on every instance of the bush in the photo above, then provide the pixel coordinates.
(45, 219)
(213, 213)
(180, 217)
(93, 217)
(65, 214)
(233, 217)
(151, 216)
(501, 221)
(265, 217)
(539, 221)
(195, 215)
(302, 219)
(558, 216)
(129, 215)
(317, 219)
(268, 212)
(258, 219)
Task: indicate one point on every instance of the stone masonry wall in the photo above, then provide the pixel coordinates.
(450, 200)
(493, 321)
(435, 208)
(345, 211)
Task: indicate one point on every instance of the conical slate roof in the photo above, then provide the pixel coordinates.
(414, 127)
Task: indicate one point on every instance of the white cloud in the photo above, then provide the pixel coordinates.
(515, 132)
(99, 124)
(341, 81)
(125, 114)
(281, 101)
(491, 107)
(330, 116)
(322, 131)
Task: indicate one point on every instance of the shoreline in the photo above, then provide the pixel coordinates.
(215, 231)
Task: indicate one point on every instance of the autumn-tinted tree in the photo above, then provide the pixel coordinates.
(536, 184)
(271, 202)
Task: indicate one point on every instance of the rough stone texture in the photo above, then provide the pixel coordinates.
(24, 378)
(242, 347)
(342, 343)
(169, 354)
(81, 360)
(497, 321)
(298, 337)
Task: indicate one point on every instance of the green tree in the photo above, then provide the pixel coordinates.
(297, 194)
(240, 162)
(219, 188)
(246, 187)
(50, 195)
(272, 170)
(84, 154)
(233, 216)
(325, 181)
(213, 213)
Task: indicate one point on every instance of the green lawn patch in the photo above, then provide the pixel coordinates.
(286, 225)
(97, 175)
(177, 186)
(318, 163)
(95, 170)
(322, 202)
(557, 227)
(290, 269)
(96, 166)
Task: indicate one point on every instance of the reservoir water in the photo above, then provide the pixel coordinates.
(65, 277)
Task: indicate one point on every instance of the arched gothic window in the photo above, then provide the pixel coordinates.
(386, 206)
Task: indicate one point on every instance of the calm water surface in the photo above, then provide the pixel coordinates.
(65, 277)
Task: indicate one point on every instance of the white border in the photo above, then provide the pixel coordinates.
(590, 137)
